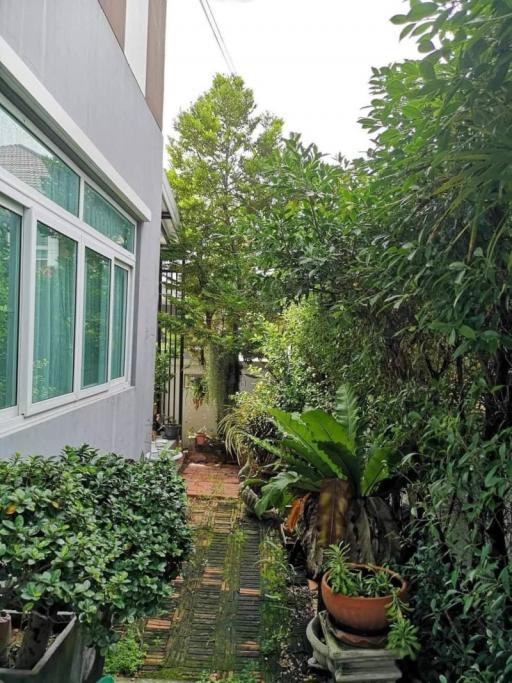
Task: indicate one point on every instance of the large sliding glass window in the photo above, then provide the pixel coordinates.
(118, 352)
(64, 288)
(96, 319)
(23, 155)
(10, 233)
(54, 324)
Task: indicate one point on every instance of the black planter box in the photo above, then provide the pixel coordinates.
(67, 660)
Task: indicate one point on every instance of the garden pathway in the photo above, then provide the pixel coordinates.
(212, 623)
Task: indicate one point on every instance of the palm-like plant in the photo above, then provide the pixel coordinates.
(321, 453)
(317, 447)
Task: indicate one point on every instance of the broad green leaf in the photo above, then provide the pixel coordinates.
(426, 45)
(399, 19)
(348, 462)
(347, 411)
(467, 332)
(304, 442)
(422, 10)
(377, 468)
(277, 493)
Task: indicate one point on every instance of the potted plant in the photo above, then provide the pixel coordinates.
(246, 423)
(171, 430)
(200, 438)
(91, 535)
(368, 599)
(199, 387)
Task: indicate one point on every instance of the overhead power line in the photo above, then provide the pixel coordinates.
(217, 33)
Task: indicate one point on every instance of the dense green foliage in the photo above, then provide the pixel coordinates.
(247, 675)
(247, 418)
(410, 250)
(92, 534)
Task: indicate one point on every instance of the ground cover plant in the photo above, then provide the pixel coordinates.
(88, 533)
(127, 655)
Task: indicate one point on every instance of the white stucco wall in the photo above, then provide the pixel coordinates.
(70, 47)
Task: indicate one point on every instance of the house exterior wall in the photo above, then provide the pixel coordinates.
(72, 50)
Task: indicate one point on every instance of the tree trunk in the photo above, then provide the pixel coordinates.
(35, 641)
(224, 372)
(371, 533)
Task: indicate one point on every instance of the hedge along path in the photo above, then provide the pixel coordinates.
(213, 621)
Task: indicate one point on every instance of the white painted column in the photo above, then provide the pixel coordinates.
(136, 38)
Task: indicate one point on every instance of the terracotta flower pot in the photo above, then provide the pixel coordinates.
(200, 439)
(359, 613)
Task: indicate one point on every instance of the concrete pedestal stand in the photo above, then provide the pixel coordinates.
(357, 665)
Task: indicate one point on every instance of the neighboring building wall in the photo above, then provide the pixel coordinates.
(205, 416)
(71, 48)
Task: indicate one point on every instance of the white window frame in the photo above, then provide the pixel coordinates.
(104, 386)
(128, 324)
(6, 203)
(35, 207)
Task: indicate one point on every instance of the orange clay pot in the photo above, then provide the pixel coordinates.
(359, 613)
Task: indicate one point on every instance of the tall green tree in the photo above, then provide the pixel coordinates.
(217, 158)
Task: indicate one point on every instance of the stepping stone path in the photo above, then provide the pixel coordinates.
(212, 622)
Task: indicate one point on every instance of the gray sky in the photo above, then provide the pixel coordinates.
(308, 61)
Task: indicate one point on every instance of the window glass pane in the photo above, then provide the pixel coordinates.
(101, 215)
(96, 319)
(29, 160)
(54, 328)
(119, 322)
(10, 231)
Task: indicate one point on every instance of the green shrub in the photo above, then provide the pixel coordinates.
(127, 655)
(90, 533)
(247, 417)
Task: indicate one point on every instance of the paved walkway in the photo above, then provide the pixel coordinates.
(212, 481)
(212, 623)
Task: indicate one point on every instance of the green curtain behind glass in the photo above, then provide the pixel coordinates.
(119, 322)
(96, 319)
(102, 216)
(23, 155)
(10, 232)
(54, 330)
